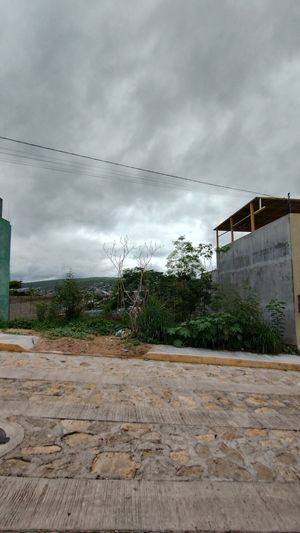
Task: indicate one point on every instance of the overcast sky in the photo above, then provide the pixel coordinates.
(208, 89)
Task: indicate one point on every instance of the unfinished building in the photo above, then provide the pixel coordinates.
(267, 258)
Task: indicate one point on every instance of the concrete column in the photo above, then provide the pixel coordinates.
(252, 217)
(231, 229)
(5, 235)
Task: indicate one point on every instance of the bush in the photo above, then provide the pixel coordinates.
(41, 311)
(227, 331)
(153, 321)
(258, 334)
(80, 328)
(265, 339)
(182, 296)
(216, 330)
(46, 313)
(69, 297)
(18, 323)
(84, 327)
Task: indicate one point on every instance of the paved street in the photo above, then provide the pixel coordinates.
(103, 444)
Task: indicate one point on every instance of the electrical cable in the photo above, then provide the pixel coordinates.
(132, 167)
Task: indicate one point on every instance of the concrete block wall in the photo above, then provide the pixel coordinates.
(26, 306)
(269, 261)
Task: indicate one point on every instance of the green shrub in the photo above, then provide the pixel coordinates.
(228, 332)
(69, 297)
(18, 323)
(182, 296)
(84, 327)
(153, 321)
(216, 330)
(79, 328)
(266, 339)
(42, 311)
(258, 334)
(46, 313)
(15, 284)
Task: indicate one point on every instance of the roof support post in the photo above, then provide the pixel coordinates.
(231, 229)
(217, 238)
(252, 218)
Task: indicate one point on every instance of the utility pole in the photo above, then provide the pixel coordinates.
(289, 202)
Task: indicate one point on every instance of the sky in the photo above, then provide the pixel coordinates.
(207, 89)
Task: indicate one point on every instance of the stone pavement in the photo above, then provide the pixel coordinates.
(113, 444)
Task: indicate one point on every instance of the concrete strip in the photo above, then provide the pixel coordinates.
(247, 360)
(34, 504)
(167, 348)
(221, 361)
(135, 413)
(14, 343)
(224, 358)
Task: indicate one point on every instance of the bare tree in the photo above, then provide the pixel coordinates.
(146, 252)
(118, 256)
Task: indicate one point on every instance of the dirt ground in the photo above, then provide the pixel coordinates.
(108, 345)
(91, 345)
(104, 345)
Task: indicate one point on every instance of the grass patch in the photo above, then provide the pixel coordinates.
(78, 329)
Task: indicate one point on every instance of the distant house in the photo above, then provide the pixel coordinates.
(268, 257)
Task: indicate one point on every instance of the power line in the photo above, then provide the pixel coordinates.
(61, 166)
(91, 170)
(132, 167)
(108, 174)
(65, 164)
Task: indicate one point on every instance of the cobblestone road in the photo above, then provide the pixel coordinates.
(112, 419)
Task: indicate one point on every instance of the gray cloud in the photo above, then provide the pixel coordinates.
(208, 89)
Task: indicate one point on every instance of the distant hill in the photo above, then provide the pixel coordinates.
(85, 283)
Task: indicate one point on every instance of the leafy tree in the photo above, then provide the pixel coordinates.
(192, 284)
(148, 283)
(15, 284)
(69, 297)
(180, 293)
(188, 261)
(180, 297)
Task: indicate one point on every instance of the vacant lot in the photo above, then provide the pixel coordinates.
(113, 444)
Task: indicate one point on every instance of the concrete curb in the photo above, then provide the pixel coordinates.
(11, 347)
(191, 359)
(11, 342)
(221, 361)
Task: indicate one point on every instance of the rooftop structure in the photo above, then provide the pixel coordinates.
(257, 213)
